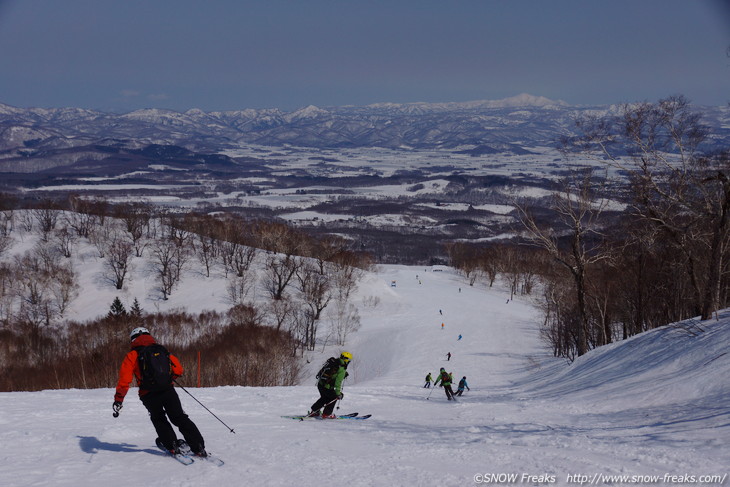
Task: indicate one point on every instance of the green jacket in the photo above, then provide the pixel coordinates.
(444, 378)
(339, 377)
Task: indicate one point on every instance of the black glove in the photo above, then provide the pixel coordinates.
(342, 394)
(117, 406)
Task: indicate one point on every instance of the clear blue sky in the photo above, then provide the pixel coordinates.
(120, 55)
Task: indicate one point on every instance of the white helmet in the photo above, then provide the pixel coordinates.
(140, 330)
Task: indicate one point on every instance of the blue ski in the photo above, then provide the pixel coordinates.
(342, 416)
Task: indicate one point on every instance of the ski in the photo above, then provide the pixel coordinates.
(184, 449)
(306, 416)
(211, 459)
(341, 416)
(180, 457)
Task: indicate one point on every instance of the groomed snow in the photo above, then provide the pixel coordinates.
(656, 404)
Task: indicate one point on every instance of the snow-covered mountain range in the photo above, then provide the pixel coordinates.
(516, 123)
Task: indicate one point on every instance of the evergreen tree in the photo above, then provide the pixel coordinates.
(117, 309)
(135, 312)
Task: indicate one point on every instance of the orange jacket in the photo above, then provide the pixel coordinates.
(130, 368)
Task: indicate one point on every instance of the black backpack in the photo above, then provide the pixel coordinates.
(326, 374)
(154, 366)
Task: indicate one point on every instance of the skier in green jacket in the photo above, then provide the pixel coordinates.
(445, 379)
(329, 384)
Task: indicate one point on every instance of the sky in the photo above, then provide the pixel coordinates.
(120, 56)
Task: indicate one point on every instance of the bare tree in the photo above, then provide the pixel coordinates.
(27, 221)
(280, 238)
(5, 243)
(299, 327)
(64, 241)
(303, 327)
(344, 279)
(314, 287)
(47, 218)
(163, 264)
(676, 187)
(239, 287)
(136, 218)
(81, 219)
(278, 273)
(8, 283)
(44, 288)
(344, 319)
(7, 221)
(243, 257)
(206, 249)
(119, 254)
(65, 288)
(281, 311)
(101, 236)
(488, 263)
(577, 209)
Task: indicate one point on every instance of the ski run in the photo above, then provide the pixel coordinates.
(654, 409)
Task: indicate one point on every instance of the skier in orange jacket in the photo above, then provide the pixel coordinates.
(161, 400)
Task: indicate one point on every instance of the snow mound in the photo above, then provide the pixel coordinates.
(682, 362)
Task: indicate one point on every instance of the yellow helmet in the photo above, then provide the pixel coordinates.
(346, 357)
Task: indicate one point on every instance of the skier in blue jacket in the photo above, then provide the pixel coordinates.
(462, 385)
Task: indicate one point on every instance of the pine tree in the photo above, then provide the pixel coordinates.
(135, 312)
(117, 309)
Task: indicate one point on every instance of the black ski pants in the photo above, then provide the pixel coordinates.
(166, 404)
(327, 399)
(449, 391)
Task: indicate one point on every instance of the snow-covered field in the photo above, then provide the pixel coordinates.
(655, 405)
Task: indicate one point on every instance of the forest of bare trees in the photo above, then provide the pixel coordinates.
(605, 275)
(302, 277)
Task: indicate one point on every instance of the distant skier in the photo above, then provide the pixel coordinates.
(427, 385)
(459, 338)
(329, 384)
(445, 379)
(441, 312)
(448, 356)
(462, 385)
(156, 391)
(442, 326)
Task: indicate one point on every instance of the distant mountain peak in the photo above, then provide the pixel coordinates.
(522, 100)
(310, 111)
(527, 100)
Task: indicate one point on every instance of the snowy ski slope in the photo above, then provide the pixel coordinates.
(654, 405)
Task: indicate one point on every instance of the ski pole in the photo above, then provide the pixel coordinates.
(429, 394)
(196, 400)
(342, 394)
(333, 400)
